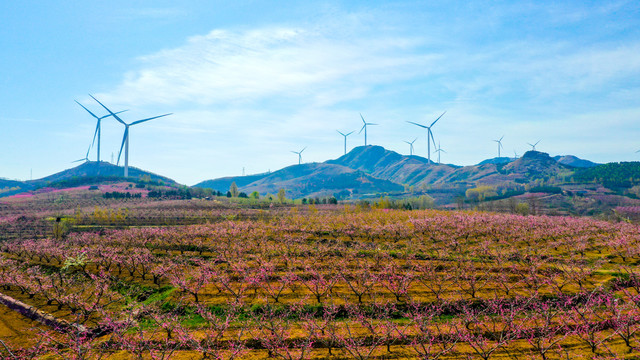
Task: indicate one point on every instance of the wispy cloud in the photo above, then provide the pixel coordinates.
(247, 66)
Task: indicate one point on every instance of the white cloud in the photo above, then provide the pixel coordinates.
(246, 66)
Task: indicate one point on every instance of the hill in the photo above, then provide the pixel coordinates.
(611, 175)
(533, 165)
(315, 179)
(497, 160)
(223, 184)
(389, 165)
(88, 173)
(12, 187)
(92, 171)
(574, 161)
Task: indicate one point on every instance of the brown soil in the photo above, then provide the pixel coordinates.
(17, 330)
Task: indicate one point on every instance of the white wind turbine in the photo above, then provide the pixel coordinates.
(86, 157)
(97, 132)
(499, 144)
(125, 137)
(429, 135)
(439, 150)
(299, 155)
(533, 146)
(364, 127)
(345, 139)
(411, 145)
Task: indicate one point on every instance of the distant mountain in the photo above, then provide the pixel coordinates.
(12, 187)
(92, 170)
(574, 161)
(371, 169)
(497, 160)
(308, 180)
(223, 184)
(531, 166)
(389, 165)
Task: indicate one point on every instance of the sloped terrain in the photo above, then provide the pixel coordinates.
(319, 179)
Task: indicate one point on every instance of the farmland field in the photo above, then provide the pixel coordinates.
(198, 279)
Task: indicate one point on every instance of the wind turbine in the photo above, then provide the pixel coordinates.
(345, 139)
(515, 154)
(533, 146)
(125, 138)
(429, 135)
(97, 132)
(499, 144)
(439, 150)
(411, 145)
(364, 127)
(299, 155)
(86, 157)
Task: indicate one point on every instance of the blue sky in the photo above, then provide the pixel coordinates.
(250, 81)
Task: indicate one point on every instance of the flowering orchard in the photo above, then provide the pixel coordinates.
(298, 283)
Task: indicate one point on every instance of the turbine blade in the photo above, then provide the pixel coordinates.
(75, 161)
(437, 119)
(361, 117)
(339, 132)
(151, 118)
(363, 126)
(303, 150)
(372, 124)
(95, 134)
(422, 126)
(414, 140)
(124, 138)
(431, 134)
(92, 114)
(106, 116)
(350, 133)
(106, 108)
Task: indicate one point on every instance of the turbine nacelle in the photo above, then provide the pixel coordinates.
(533, 146)
(125, 138)
(364, 127)
(299, 155)
(429, 134)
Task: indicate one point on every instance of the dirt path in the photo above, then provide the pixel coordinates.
(17, 330)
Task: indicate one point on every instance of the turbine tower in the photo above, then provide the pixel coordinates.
(499, 144)
(345, 140)
(429, 135)
(97, 132)
(364, 127)
(533, 146)
(411, 146)
(299, 155)
(439, 150)
(125, 138)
